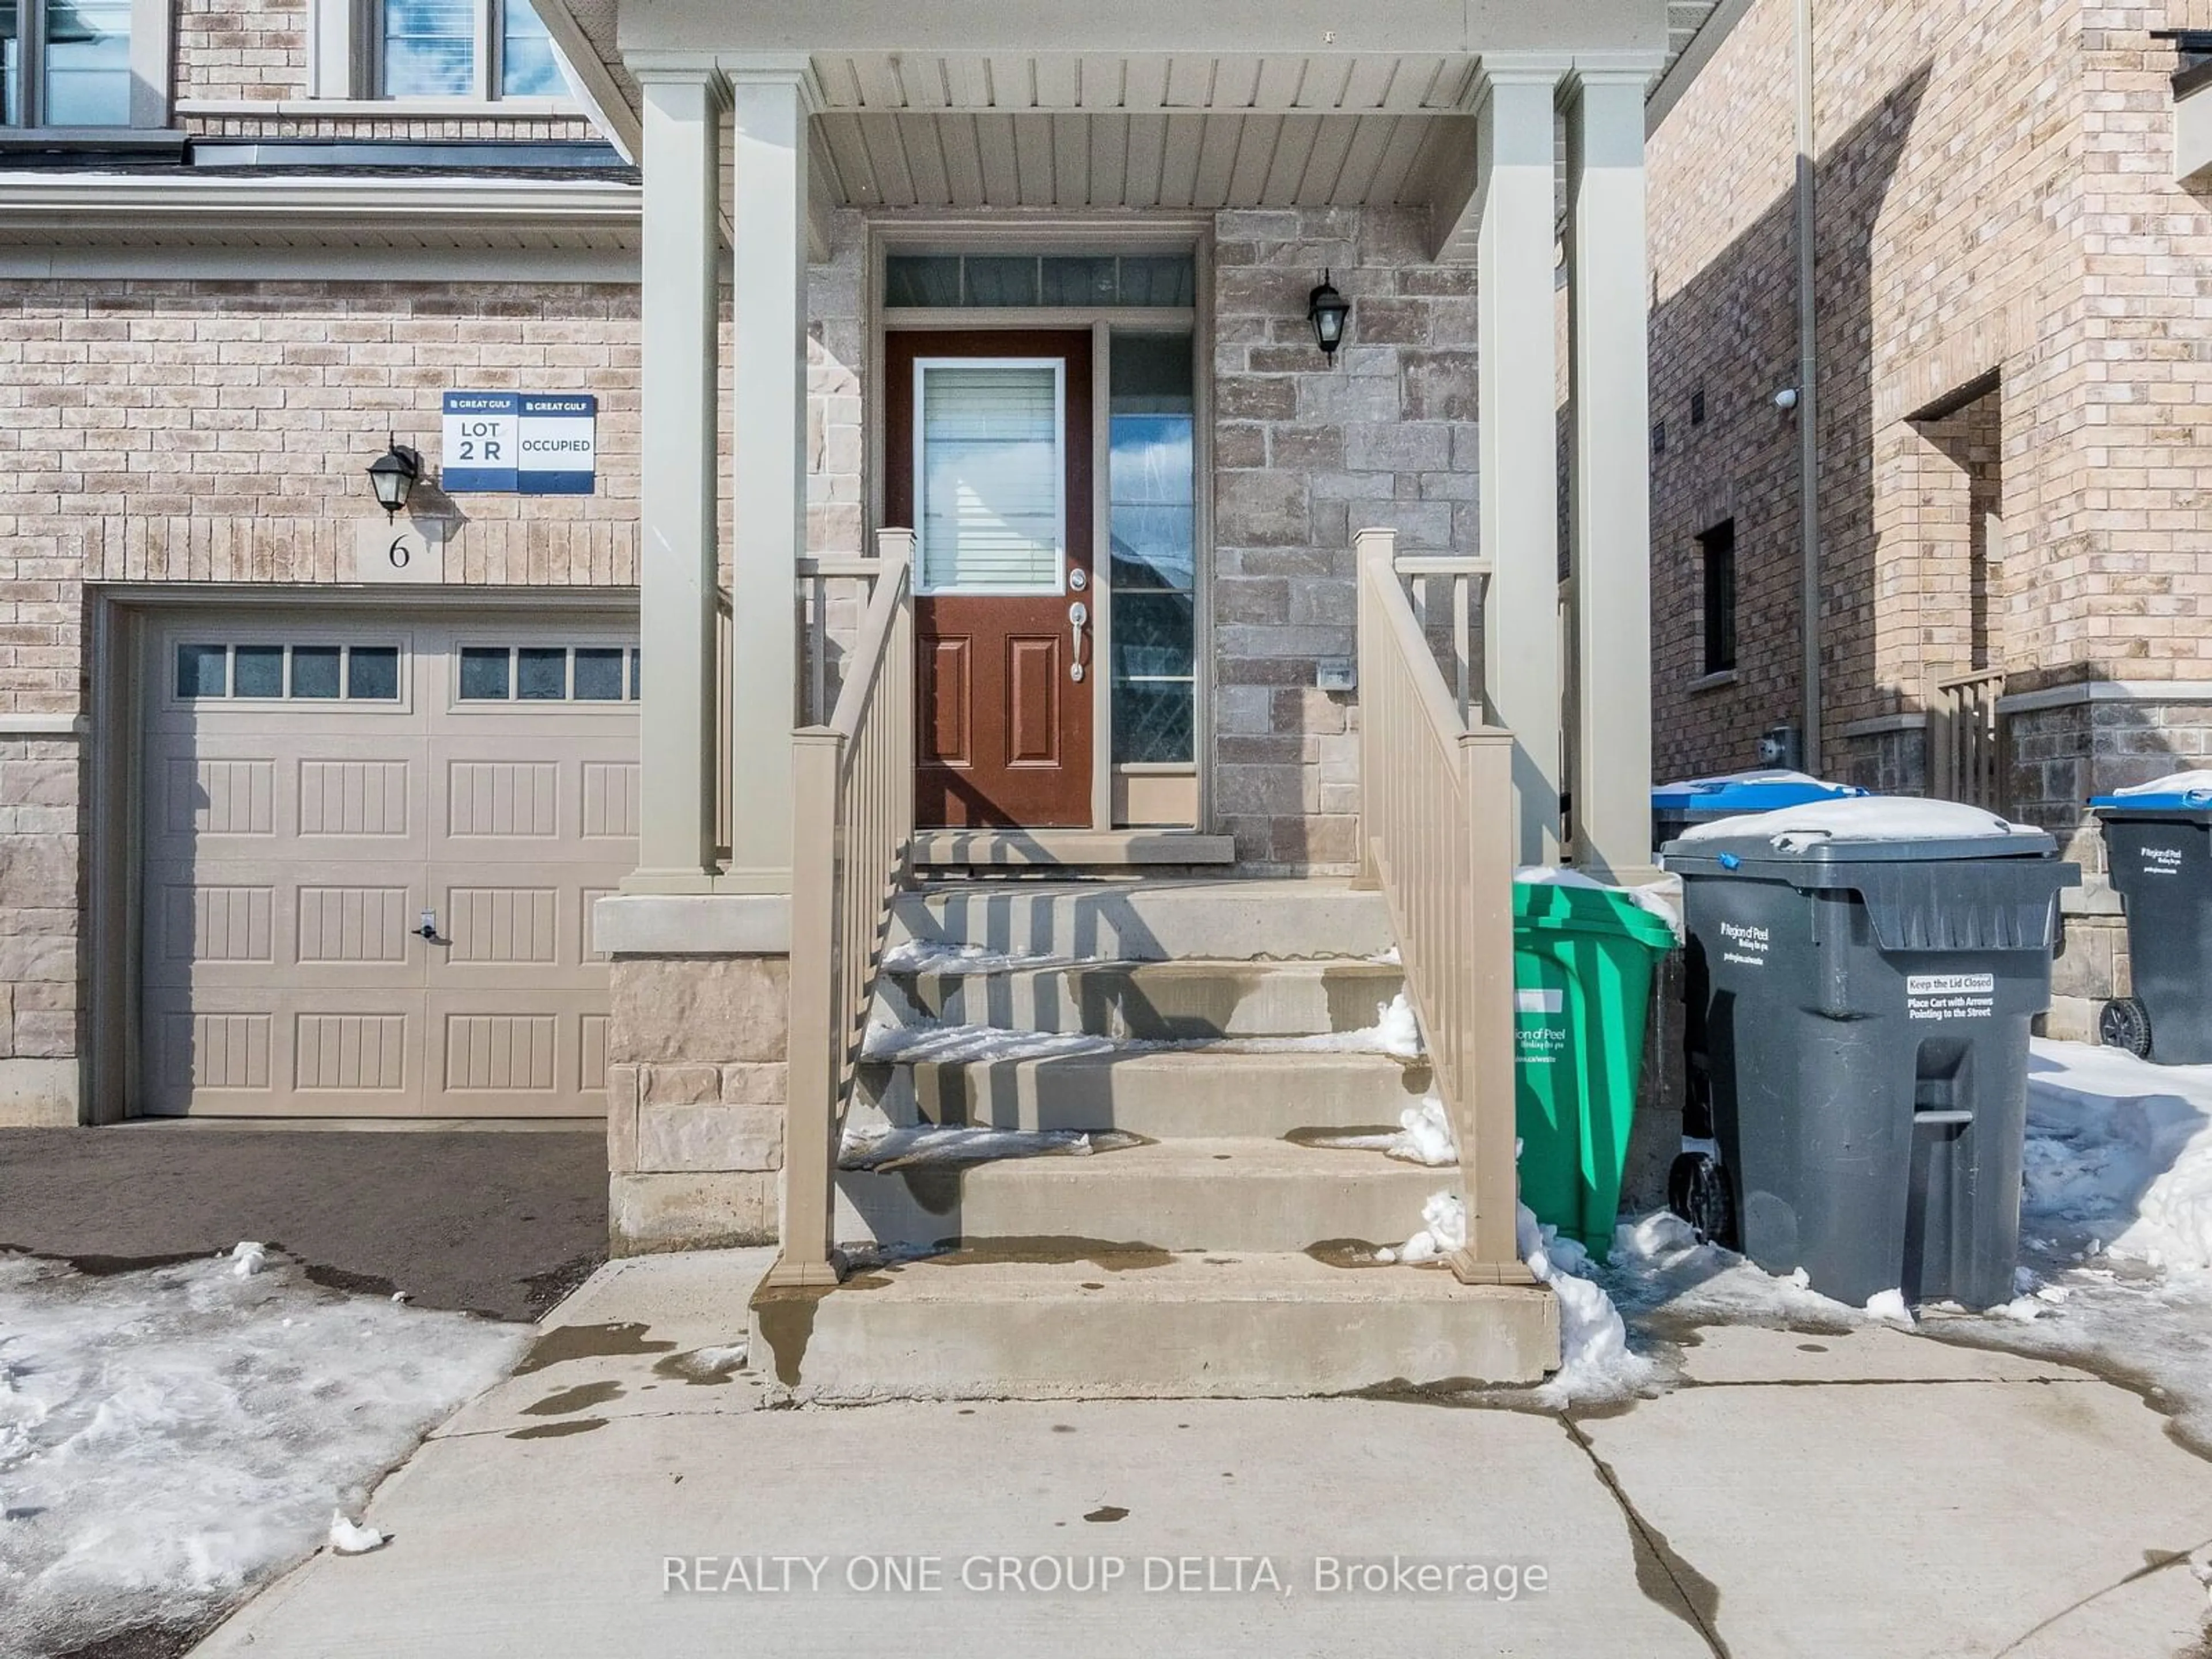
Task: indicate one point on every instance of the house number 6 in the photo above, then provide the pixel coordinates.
(397, 553)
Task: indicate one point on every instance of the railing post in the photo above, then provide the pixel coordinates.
(1486, 1126)
(1377, 553)
(810, 1123)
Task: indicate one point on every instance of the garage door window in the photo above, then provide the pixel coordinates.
(278, 673)
(547, 673)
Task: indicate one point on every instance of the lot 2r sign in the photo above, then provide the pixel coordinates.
(520, 443)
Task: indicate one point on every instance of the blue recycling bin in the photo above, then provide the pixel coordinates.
(1676, 807)
(2158, 848)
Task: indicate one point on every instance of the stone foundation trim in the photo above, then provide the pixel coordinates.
(2066, 697)
(1882, 725)
(693, 924)
(51, 728)
(40, 1094)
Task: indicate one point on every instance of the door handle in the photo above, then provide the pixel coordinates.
(427, 927)
(1077, 614)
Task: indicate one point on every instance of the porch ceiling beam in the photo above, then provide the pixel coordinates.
(1132, 28)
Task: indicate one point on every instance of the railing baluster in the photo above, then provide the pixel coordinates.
(1436, 827)
(852, 842)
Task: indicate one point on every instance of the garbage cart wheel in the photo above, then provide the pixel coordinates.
(2126, 1024)
(1697, 1191)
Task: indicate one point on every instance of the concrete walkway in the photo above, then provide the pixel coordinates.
(1874, 1493)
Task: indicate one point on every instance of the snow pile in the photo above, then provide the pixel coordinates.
(1444, 1229)
(1662, 898)
(1889, 1307)
(975, 1043)
(1595, 1362)
(2194, 785)
(248, 1258)
(2124, 1148)
(351, 1538)
(1395, 1031)
(930, 955)
(1869, 817)
(168, 1438)
(1425, 1135)
(870, 1147)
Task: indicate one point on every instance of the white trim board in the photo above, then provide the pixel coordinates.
(54, 727)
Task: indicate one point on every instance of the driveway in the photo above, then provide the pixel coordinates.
(502, 1223)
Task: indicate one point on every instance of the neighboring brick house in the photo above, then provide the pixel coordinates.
(2015, 356)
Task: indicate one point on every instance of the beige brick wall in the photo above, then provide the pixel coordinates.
(1995, 194)
(1304, 455)
(229, 52)
(217, 432)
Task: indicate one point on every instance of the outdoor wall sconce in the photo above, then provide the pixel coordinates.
(393, 476)
(1329, 311)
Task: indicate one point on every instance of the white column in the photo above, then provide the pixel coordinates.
(1610, 511)
(770, 104)
(676, 472)
(1519, 396)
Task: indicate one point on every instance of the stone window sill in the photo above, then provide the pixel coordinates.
(1713, 682)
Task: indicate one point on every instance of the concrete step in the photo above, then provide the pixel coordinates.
(1194, 1194)
(1150, 920)
(1162, 1094)
(1159, 1001)
(1071, 1324)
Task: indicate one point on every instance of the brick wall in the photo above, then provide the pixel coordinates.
(217, 431)
(1996, 198)
(1304, 455)
(1997, 204)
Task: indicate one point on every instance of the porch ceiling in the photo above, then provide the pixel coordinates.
(962, 159)
(1369, 74)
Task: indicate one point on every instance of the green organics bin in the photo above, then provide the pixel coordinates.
(1583, 961)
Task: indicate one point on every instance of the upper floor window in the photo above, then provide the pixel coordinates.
(65, 63)
(482, 49)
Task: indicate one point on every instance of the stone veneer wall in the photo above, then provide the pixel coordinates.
(1305, 454)
(696, 1082)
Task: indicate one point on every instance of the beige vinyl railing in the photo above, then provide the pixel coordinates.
(853, 840)
(1966, 740)
(1435, 831)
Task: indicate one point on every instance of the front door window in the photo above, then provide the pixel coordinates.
(991, 464)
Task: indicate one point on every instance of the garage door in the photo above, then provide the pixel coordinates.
(315, 797)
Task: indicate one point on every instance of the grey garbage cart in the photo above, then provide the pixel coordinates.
(1864, 1009)
(2158, 847)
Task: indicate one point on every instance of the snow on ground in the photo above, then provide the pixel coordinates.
(169, 1436)
(1424, 1135)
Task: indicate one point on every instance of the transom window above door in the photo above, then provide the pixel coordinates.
(936, 280)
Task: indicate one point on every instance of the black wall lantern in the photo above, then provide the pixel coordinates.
(393, 475)
(1329, 311)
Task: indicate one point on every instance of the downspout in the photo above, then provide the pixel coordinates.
(1809, 405)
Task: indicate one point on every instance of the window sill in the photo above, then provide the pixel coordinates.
(1726, 677)
(160, 140)
(392, 108)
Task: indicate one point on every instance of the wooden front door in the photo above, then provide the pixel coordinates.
(988, 458)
